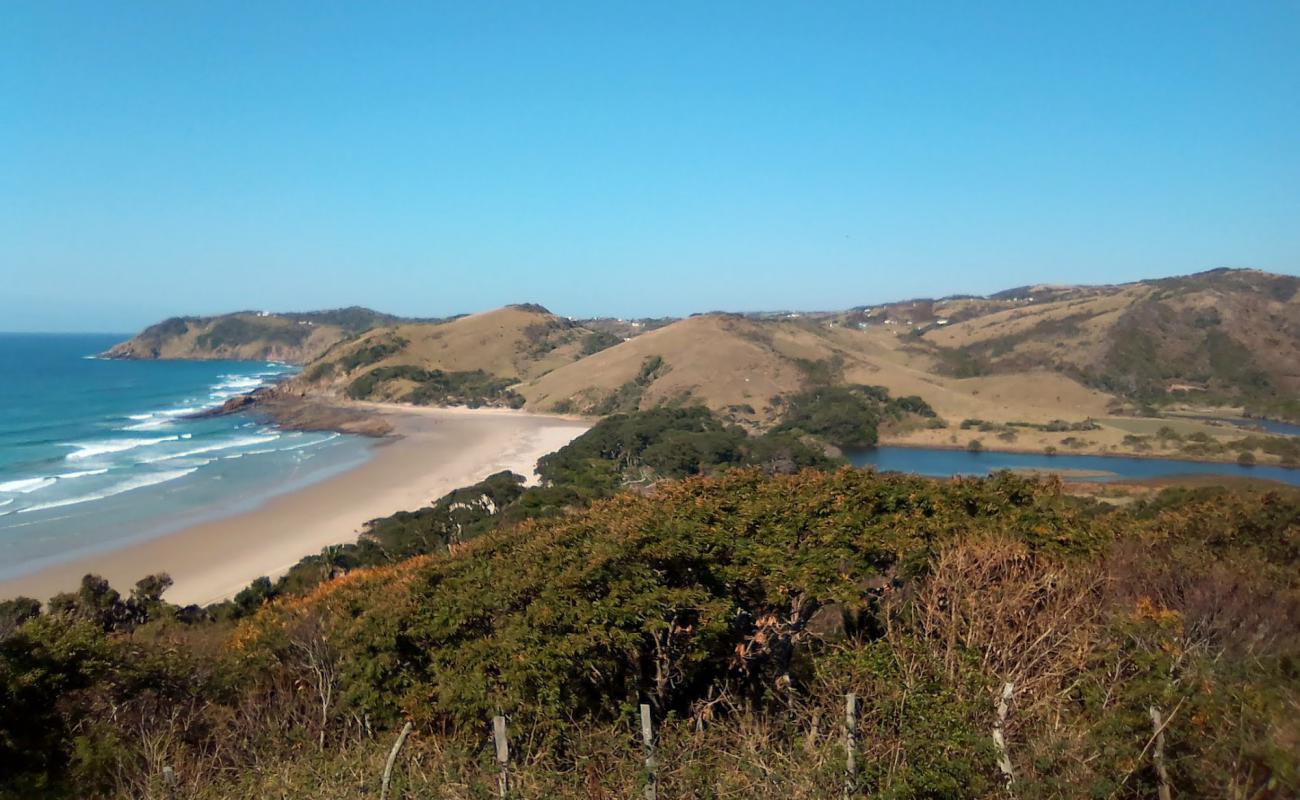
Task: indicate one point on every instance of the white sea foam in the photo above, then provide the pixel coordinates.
(6, 502)
(139, 482)
(180, 412)
(92, 449)
(25, 485)
(287, 448)
(157, 419)
(246, 441)
(331, 437)
(147, 425)
(67, 476)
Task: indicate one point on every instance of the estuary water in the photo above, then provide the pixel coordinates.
(936, 462)
(97, 452)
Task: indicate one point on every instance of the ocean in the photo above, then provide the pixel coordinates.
(96, 453)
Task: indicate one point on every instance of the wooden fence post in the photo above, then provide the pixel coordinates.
(392, 759)
(503, 754)
(999, 737)
(651, 764)
(1158, 755)
(169, 782)
(850, 743)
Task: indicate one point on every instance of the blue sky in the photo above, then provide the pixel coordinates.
(630, 158)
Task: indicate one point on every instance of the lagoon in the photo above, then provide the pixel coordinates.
(943, 463)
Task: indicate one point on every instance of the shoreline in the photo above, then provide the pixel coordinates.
(429, 452)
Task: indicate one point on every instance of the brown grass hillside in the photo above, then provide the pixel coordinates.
(738, 366)
(720, 361)
(1221, 337)
(513, 343)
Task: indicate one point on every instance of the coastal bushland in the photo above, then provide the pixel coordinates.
(742, 606)
(423, 387)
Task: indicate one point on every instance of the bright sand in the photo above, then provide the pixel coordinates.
(438, 450)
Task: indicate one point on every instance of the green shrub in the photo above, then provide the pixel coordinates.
(602, 601)
(596, 341)
(841, 415)
(473, 388)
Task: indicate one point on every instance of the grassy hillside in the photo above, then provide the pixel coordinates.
(1040, 368)
(293, 338)
(477, 356)
(1226, 337)
(742, 607)
(745, 369)
(1029, 365)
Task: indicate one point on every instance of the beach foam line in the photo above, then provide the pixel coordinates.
(148, 425)
(180, 412)
(153, 479)
(247, 441)
(157, 419)
(67, 476)
(312, 443)
(26, 485)
(91, 449)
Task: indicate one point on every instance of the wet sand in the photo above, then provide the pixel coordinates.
(434, 451)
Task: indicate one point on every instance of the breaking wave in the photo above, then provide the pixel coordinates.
(152, 479)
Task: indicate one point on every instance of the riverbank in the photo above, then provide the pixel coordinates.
(1193, 440)
(430, 452)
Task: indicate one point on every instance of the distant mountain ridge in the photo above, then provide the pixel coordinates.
(295, 337)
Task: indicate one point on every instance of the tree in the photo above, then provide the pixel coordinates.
(15, 612)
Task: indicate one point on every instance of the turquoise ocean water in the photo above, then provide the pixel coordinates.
(95, 453)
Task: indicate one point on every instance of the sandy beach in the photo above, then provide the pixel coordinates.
(434, 451)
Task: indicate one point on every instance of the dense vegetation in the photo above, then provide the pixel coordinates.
(237, 330)
(847, 416)
(596, 341)
(626, 450)
(741, 607)
(359, 357)
(667, 442)
(353, 319)
(473, 388)
(627, 398)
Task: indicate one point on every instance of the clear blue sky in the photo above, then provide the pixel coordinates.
(650, 158)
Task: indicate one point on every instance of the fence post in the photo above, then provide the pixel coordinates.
(503, 754)
(651, 764)
(999, 738)
(850, 743)
(392, 759)
(169, 782)
(1158, 756)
